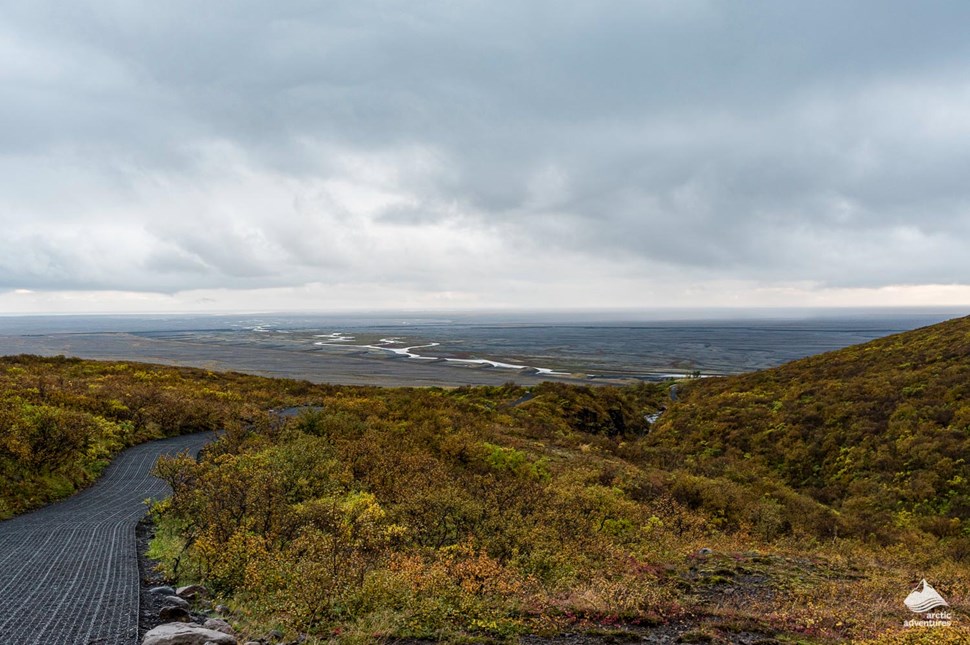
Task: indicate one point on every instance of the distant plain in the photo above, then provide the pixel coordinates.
(374, 349)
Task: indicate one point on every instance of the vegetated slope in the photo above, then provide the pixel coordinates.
(429, 513)
(482, 513)
(879, 433)
(487, 512)
(61, 420)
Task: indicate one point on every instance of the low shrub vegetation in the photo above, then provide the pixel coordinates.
(801, 503)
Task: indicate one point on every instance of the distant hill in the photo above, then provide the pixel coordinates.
(879, 433)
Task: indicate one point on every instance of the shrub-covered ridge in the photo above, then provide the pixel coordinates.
(801, 503)
(62, 419)
(878, 433)
(487, 513)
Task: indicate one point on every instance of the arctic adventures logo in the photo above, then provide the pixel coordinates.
(922, 600)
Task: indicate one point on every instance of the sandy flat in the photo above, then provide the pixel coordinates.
(311, 366)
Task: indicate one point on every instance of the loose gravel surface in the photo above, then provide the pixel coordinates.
(69, 571)
(346, 369)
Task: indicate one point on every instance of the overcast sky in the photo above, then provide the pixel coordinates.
(177, 155)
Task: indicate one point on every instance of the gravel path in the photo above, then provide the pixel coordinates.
(69, 571)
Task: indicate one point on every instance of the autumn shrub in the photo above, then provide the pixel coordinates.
(762, 501)
(62, 420)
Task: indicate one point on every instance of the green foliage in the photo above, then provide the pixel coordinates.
(440, 507)
(514, 462)
(487, 512)
(61, 420)
(868, 432)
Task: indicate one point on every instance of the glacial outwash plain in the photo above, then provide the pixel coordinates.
(800, 503)
(461, 349)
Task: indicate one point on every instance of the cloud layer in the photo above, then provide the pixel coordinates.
(483, 153)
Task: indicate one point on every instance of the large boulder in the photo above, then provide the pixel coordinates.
(184, 634)
(219, 625)
(192, 591)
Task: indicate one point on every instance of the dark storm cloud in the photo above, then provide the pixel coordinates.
(179, 145)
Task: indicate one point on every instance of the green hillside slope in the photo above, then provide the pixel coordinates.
(63, 419)
(879, 432)
(800, 504)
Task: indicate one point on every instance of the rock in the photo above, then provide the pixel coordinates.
(704, 552)
(191, 591)
(175, 613)
(163, 591)
(182, 634)
(175, 601)
(219, 625)
(223, 610)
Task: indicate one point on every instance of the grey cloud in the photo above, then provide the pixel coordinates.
(768, 141)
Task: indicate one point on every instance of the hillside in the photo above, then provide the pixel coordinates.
(757, 507)
(63, 419)
(799, 504)
(878, 433)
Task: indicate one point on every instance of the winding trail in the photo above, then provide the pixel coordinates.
(69, 571)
